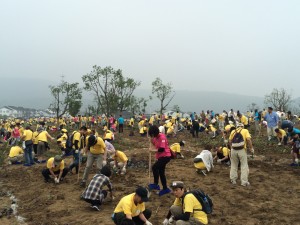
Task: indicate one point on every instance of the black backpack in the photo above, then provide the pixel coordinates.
(69, 142)
(204, 199)
(238, 141)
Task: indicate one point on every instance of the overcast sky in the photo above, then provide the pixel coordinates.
(245, 47)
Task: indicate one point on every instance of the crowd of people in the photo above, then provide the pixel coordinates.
(79, 139)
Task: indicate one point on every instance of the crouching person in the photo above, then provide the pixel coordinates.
(204, 161)
(132, 207)
(120, 162)
(94, 193)
(55, 168)
(186, 209)
(16, 155)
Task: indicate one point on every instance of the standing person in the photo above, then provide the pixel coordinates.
(272, 120)
(163, 157)
(132, 207)
(43, 145)
(94, 193)
(195, 129)
(257, 118)
(27, 137)
(186, 209)
(121, 124)
(239, 140)
(96, 151)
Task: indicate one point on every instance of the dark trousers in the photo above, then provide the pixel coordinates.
(74, 164)
(158, 170)
(285, 139)
(46, 173)
(35, 148)
(96, 202)
(121, 128)
(119, 217)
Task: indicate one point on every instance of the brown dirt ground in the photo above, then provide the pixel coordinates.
(272, 198)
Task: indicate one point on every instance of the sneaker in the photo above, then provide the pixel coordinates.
(95, 207)
(294, 164)
(153, 187)
(16, 163)
(203, 172)
(32, 163)
(245, 184)
(164, 191)
(233, 182)
(26, 164)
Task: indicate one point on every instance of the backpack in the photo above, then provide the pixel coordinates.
(69, 142)
(204, 199)
(238, 141)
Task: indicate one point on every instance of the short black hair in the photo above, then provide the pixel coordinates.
(276, 130)
(106, 171)
(153, 131)
(83, 128)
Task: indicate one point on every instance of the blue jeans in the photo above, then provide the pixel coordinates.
(28, 155)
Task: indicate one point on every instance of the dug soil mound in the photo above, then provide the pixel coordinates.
(272, 198)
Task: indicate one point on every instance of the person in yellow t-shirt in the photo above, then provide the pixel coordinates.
(213, 130)
(186, 209)
(281, 136)
(108, 136)
(144, 130)
(43, 145)
(16, 155)
(95, 151)
(238, 154)
(222, 155)
(132, 207)
(120, 162)
(27, 138)
(176, 148)
(55, 168)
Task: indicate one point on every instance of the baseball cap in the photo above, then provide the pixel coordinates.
(57, 160)
(239, 125)
(64, 130)
(143, 193)
(177, 184)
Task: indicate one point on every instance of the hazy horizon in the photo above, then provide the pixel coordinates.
(241, 47)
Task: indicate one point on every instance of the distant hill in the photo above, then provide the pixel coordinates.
(34, 93)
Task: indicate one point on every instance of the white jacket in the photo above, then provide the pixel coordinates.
(207, 159)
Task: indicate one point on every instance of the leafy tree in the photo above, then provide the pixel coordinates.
(138, 105)
(66, 97)
(279, 99)
(111, 89)
(164, 92)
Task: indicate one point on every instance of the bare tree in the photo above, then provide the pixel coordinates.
(279, 99)
(164, 92)
(253, 106)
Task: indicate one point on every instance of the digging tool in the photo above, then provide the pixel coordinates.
(150, 160)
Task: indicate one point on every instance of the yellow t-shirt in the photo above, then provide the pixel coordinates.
(244, 132)
(28, 135)
(212, 128)
(76, 137)
(170, 130)
(43, 136)
(244, 120)
(15, 151)
(50, 165)
(193, 206)
(225, 151)
(99, 147)
(131, 122)
(108, 135)
(175, 147)
(143, 130)
(127, 206)
(281, 133)
(200, 165)
(227, 127)
(120, 157)
(34, 138)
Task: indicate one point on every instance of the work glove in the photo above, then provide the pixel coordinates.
(123, 171)
(296, 160)
(171, 219)
(219, 161)
(148, 223)
(76, 151)
(252, 150)
(56, 180)
(166, 222)
(104, 162)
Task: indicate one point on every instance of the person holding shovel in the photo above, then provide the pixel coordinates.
(163, 156)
